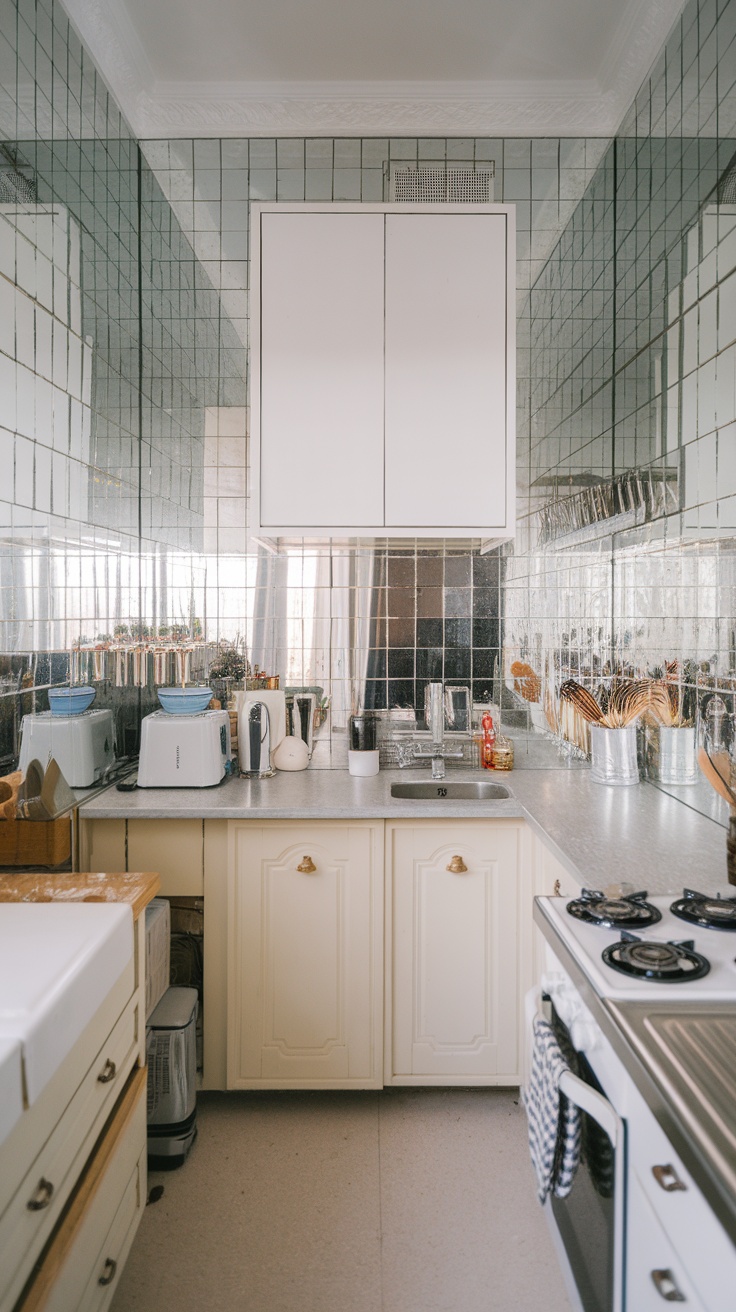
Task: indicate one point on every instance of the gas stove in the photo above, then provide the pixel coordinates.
(633, 947)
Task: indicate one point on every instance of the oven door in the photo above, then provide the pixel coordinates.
(588, 1224)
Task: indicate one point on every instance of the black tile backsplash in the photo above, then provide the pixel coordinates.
(458, 633)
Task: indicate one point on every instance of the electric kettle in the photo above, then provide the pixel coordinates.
(254, 741)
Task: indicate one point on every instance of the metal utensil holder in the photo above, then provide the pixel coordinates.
(613, 756)
(671, 755)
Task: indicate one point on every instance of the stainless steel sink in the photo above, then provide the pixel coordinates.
(470, 790)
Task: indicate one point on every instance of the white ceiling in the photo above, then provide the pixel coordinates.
(448, 67)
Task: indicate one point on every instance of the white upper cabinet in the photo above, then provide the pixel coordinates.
(382, 370)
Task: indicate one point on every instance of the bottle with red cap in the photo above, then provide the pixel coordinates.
(489, 738)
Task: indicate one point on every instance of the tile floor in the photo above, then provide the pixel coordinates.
(416, 1200)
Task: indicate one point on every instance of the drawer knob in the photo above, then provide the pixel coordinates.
(306, 866)
(457, 866)
(108, 1272)
(108, 1072)
(666, 1286)
(668, 1179)
(42, 1197)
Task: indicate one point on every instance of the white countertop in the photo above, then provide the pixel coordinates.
(602, 834)
(58, 961)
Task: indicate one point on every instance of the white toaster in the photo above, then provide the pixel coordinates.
(83, 746)
(184, 751)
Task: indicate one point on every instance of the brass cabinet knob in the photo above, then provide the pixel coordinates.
(306, 866)
(457, 866)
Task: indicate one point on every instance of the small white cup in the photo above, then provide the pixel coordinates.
(362, 763)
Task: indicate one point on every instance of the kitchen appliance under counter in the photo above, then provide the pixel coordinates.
(650, 1014)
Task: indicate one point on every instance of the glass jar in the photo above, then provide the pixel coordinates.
(503, 753)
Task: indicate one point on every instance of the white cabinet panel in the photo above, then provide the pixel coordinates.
(446, 365)
(305, 955)
(383, 370)
(321, 374)
(455, 975)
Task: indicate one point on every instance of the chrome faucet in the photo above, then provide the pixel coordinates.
(437, 752)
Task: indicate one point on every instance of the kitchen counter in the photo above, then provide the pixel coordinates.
(601, 834)
(122, 886)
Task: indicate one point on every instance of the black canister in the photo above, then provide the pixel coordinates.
(362, 731)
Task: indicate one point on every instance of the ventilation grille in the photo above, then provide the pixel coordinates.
(16, 188)
(441, 184)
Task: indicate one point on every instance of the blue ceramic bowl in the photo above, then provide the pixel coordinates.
(70, 701)
(185, 701)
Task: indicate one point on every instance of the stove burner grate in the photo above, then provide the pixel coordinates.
(647, 959)
(632, 912)
(706, 912)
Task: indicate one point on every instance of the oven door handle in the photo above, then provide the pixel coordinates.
(592, 1102)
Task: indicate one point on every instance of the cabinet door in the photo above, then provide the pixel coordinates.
(305, 955)
(455, 979)
(321, 370)
(447, 359)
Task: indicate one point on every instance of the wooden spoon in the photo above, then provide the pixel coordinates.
(583, 700)
(714, 776)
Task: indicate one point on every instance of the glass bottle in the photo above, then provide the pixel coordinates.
(503, 753)
(489, 738)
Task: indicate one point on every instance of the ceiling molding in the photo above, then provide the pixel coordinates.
(588, 107)
(641, 34)
(376, 109)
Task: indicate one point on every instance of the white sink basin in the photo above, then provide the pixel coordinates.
(58, 962)
(11, 1086)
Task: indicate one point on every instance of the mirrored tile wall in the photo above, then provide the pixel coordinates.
(626, 556)
(113, 346)
(124, 350)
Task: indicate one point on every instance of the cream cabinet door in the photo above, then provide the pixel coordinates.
(455, 900)
(305, 955)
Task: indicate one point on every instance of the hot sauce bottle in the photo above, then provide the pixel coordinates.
(489, 738)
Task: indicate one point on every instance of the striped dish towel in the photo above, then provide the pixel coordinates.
(554, 1121)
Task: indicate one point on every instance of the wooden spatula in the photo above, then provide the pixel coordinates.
(717, 770)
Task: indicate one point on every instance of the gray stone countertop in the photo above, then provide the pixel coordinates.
(601, 834)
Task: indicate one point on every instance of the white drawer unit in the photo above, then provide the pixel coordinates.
(72, 1025)
(655, 1272)
(705, 1255)
(37, 1204)
(83, 1263)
